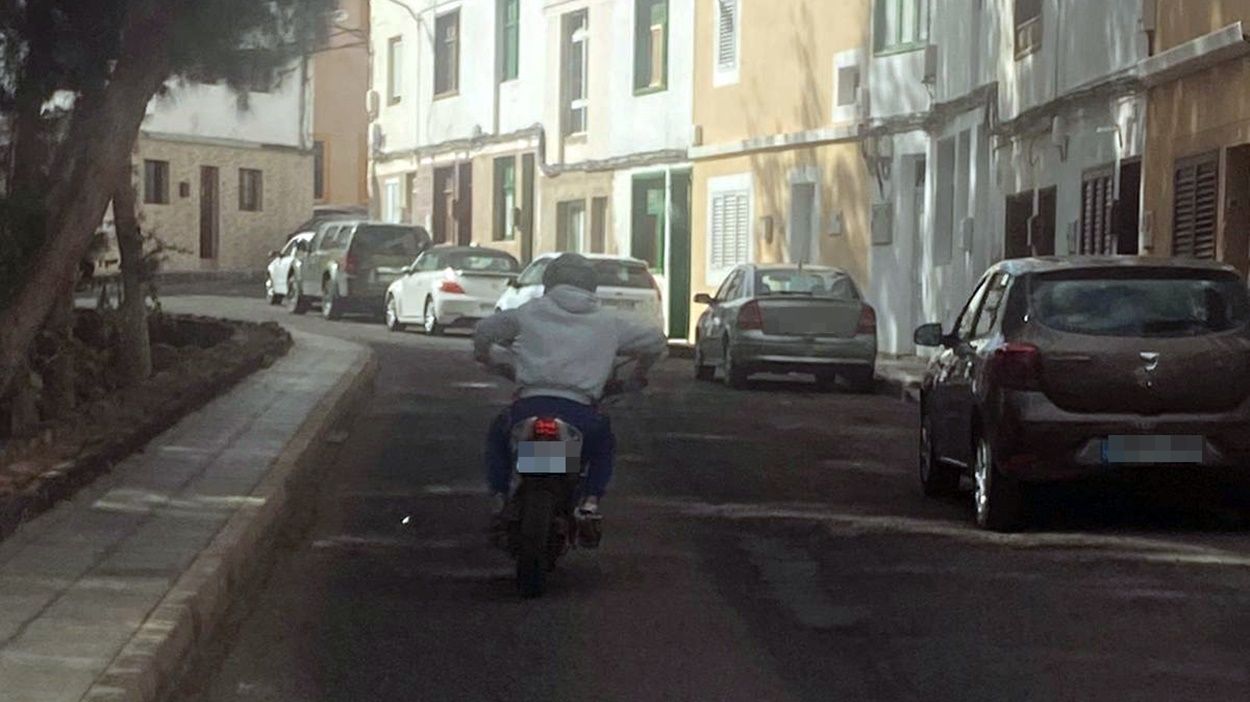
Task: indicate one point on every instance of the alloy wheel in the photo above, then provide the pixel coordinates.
(984, 475)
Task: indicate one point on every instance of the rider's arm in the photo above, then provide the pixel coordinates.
(499, 329)
(642, 341)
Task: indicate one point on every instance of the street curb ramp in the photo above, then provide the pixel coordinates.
(150, 664)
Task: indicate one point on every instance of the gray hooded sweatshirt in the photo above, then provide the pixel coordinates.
(564, 344)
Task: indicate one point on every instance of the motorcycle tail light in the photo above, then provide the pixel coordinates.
(546, 430)
(1017, 366)
(749, 317)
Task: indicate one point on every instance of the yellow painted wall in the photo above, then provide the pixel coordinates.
(1182, 20)
(571, 186)
(340, 118)
(785, 66)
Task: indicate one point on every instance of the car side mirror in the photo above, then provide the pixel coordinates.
(301, 246)
(704, 299)
(274, 254)
(930, 335)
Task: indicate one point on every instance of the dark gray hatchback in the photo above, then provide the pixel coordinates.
(349, 264)
(1060, 369)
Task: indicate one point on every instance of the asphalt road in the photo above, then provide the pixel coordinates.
(770, 544)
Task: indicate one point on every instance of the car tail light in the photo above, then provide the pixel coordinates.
(1016, 366)
(749, 317)
(451, 286)
(546, 429)
(867, 321)
(655, 285)
(350, 263)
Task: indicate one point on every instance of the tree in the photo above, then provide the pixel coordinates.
(104, 61)
(136, 353)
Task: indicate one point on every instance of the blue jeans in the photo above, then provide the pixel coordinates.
(598, 443)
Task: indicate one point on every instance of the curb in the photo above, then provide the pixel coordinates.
(149, 666)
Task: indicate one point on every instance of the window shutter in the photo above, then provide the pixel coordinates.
(742, 241)
(717, 243)
(1195, 205)
(1097, 235)
(726, 43)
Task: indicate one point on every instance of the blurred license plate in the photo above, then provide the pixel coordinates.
(1153, 449)
(621, 304)
(547, 458)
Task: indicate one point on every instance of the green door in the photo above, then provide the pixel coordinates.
(679, 257)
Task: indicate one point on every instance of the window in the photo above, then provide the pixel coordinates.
(1194, 207)
(846, 89)
(391, 202)
(576, 57)
(533, 275)
(1096, 235)
(570, 225)
(967, 319)
(1140, 302)
(481, 260)
(509, 39)
(383, 240)
(729, 241)
(1028, 27)
(251, 190)
(994, 295)
(395, 70)
(727, 42)
(650, 45)
(623, 274)
(156, 182)
(319, 170)
(831, 284)
(505, 198)
(447, 53)
(900, 25)
(598, 225)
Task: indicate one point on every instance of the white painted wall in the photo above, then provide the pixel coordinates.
(894, 281)
(895, 86)
(968, 37)
(642, 123)
(1082, 42)
(213, 111)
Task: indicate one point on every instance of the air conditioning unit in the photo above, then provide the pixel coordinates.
(930, 64)
(1149, 15)
(372, 103)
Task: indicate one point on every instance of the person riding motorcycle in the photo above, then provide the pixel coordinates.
(561, 349)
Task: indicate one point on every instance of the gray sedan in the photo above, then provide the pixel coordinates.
(787, 319)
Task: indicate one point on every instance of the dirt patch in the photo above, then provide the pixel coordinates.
(195, 359)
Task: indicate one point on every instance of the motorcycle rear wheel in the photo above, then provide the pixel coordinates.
(537, 510)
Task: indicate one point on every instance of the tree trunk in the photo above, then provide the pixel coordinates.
(136, 354)
(101, 137)
(58, 377)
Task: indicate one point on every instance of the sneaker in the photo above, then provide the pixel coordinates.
(589, 523)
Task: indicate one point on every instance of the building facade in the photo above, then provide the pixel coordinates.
(223, 179)
(340, 122)
(778, 172)
(1197, 163)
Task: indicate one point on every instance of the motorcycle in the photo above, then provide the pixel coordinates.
(541, 521)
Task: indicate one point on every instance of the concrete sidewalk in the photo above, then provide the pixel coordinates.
(105, 596)
(896, 376)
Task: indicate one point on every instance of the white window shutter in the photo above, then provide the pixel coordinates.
(727, 34)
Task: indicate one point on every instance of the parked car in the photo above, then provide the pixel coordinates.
(1061, 369)
(350, 264)
(625, 284)
(787, 319)
(279, 268)
(449, 286)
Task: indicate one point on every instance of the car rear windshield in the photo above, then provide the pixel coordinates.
(808, 283)
(1163, 303)
(623, 274)
(481, 261)
(388, 241)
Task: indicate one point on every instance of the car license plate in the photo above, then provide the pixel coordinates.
(1153, 449)
(621, 304)
(548, 458)
(486, 307)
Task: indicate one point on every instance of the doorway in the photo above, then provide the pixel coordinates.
(1236, 215)
(1030, 234)
(679, 256)
(464, 204)
(648, 215)
(210, 211)
(802, 229)
(444, 204)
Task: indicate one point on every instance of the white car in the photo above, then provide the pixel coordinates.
(625, 284)
(279, 268)
(449, 286)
